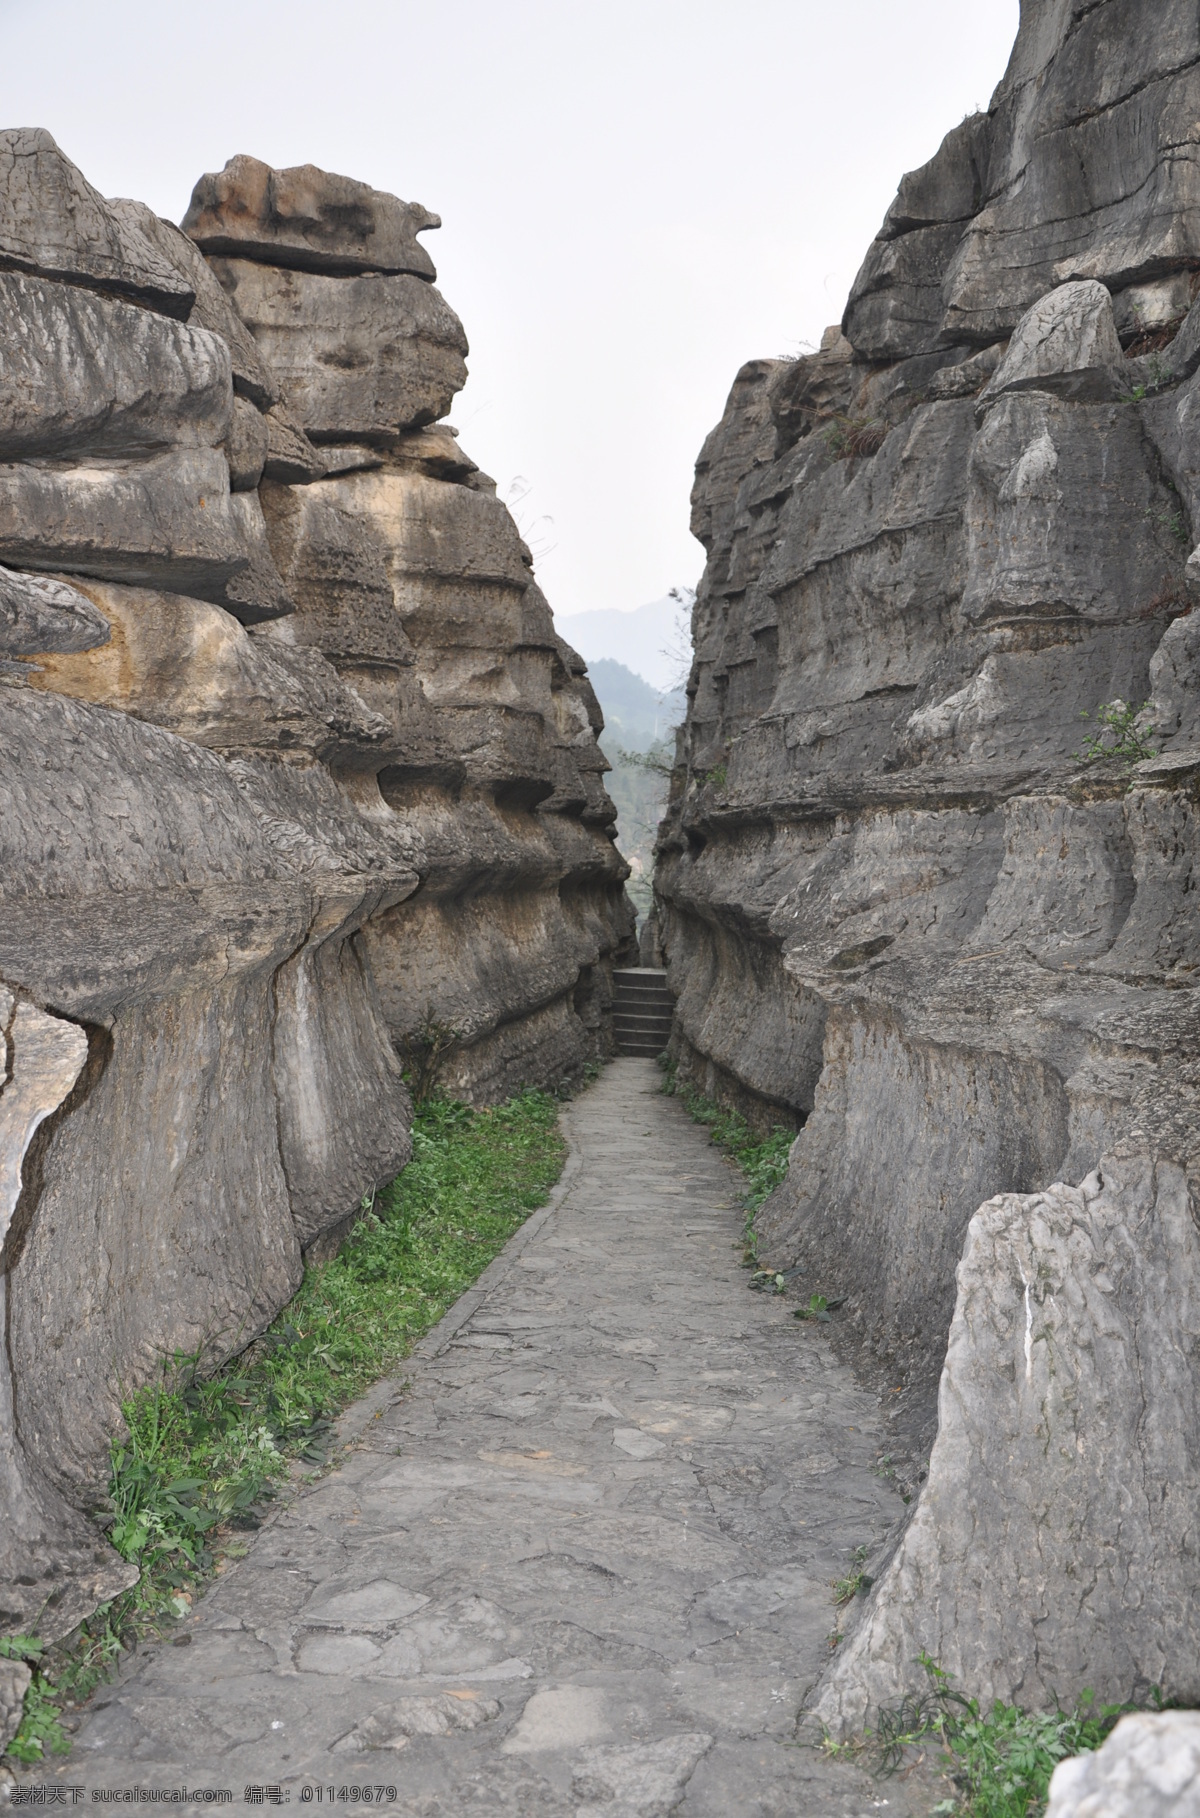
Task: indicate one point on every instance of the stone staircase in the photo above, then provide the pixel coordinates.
(642, 1010)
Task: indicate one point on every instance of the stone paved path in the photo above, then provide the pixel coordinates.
(581, 1564)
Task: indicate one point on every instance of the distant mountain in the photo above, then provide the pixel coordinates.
(653, 640)
(636, 718)
(635, 715)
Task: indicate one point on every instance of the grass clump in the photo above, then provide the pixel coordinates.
(200, 1453)
(856, 1582)
(855, 438)
(1002, 1761)
(762, 1159)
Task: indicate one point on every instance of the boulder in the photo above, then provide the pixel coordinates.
(41, 614)
(92, 375)
(1062, 1469)
(247, 446)
(358, 358)
(55, 225)
(14, 1683)
(308, 219)
(212, 308)
(1067, 343)
(291, 457)
(167, 521)
(1148, 1768)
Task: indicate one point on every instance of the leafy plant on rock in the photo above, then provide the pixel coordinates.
(1119, 739)
(40, 1733)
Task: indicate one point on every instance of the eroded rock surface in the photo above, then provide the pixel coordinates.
(1148, 1768)
(295, 767)
(901, 907)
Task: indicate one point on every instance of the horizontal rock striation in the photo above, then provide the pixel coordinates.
(918, 898)
(298, 780)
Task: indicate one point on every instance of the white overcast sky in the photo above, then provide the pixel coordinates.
(637, 196)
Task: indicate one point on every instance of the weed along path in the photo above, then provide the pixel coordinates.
(579, 1559)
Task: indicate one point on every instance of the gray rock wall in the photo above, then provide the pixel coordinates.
(293, 762)
(898, 903)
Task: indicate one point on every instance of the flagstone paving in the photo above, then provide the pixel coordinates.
(580, 1558)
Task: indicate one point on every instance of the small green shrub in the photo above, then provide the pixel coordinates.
(1170, 520)
(658, 759)
(432, 1042)
(1119, 739)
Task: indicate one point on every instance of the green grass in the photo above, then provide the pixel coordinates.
(200, 1454)
(1001, 1760)
(762, 1159)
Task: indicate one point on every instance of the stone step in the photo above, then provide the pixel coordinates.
(643, 1025)
(643, 1011)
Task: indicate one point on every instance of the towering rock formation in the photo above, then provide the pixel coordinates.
(904, 910)
(295, 775)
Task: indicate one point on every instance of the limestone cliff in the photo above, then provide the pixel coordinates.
(905, 904)
(295, 771)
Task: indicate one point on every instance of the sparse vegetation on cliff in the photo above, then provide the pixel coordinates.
(1120, 739)
(854, 438)
(200, 1455)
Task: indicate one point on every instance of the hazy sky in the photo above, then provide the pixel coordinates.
(637, 196)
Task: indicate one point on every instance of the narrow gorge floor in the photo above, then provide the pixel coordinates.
(581, 1558)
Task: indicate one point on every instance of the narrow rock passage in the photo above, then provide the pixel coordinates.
(581, 1563)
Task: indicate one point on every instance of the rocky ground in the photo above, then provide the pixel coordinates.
(579, 1561)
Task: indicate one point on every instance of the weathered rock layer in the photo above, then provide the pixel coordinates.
(904, 908)
(297, 780)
